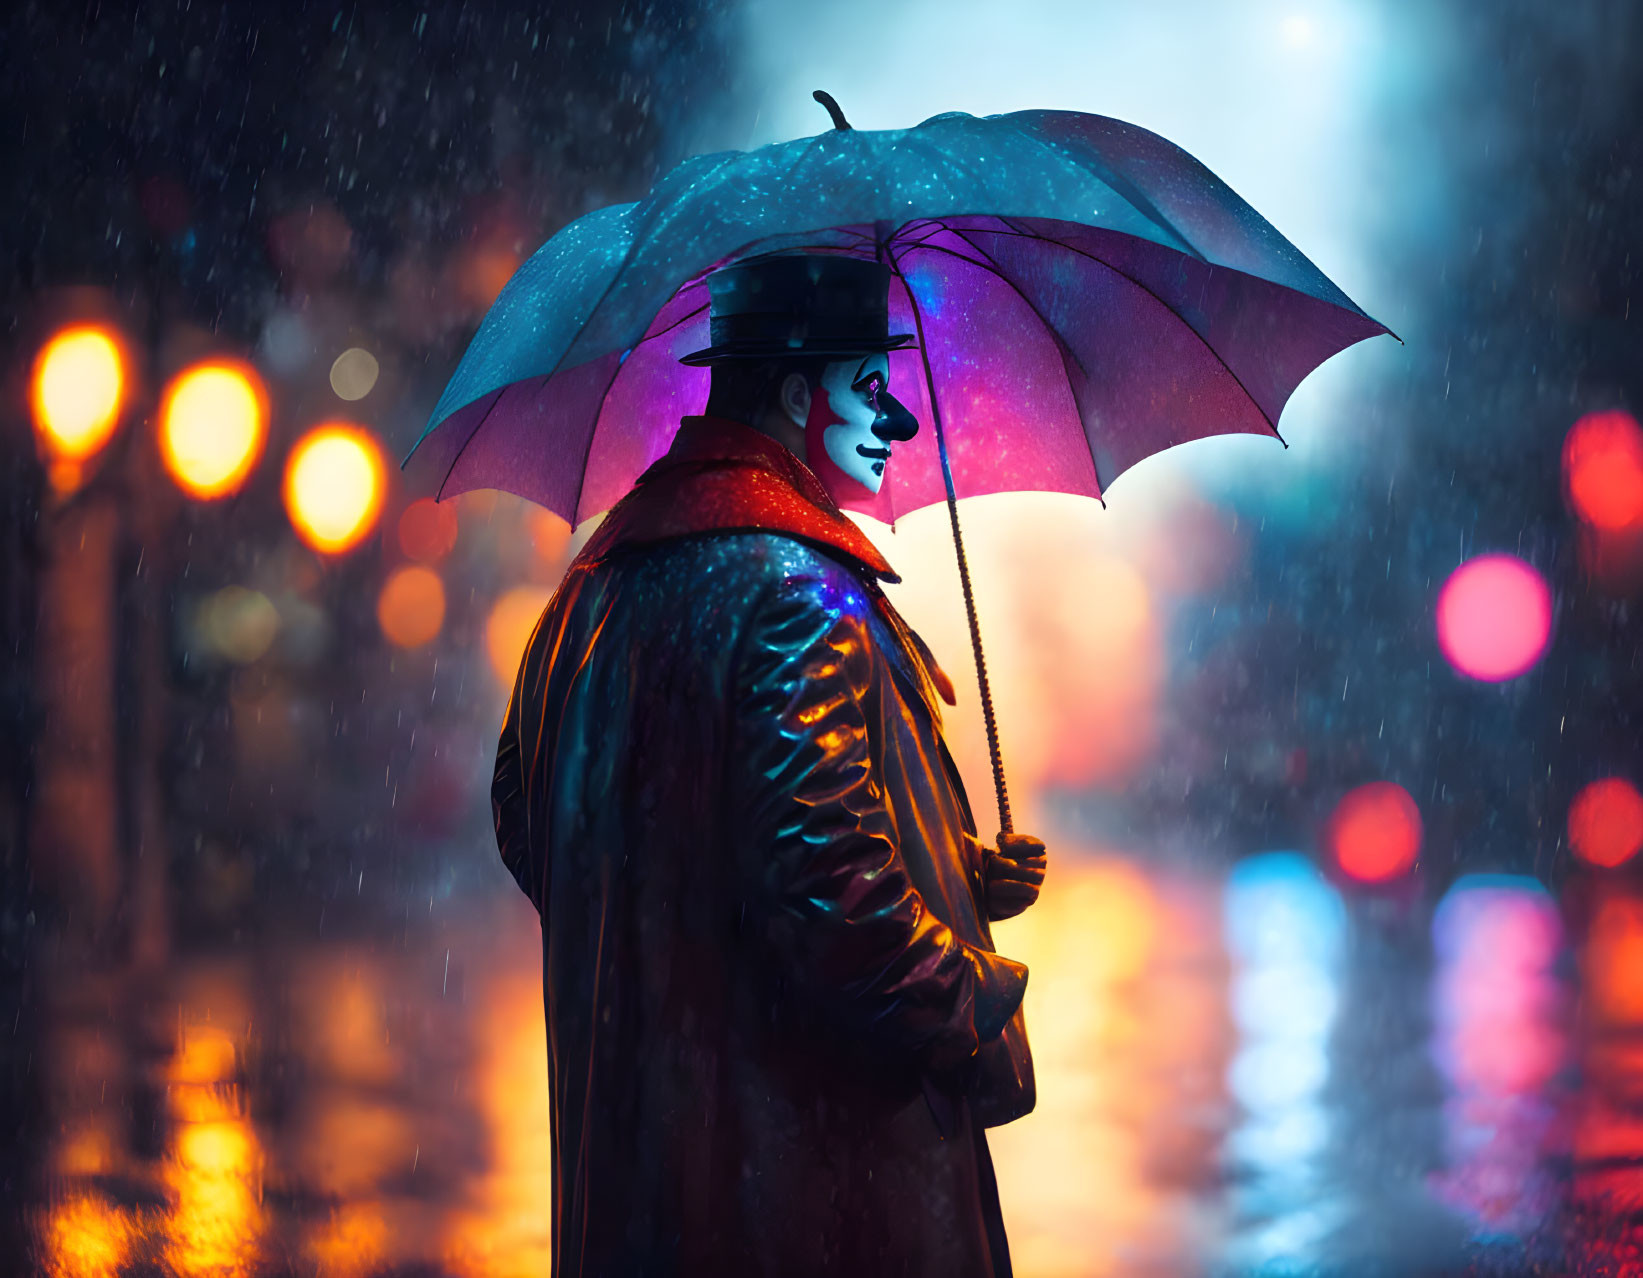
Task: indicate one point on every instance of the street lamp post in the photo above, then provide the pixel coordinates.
(77, 396)
(100, 843)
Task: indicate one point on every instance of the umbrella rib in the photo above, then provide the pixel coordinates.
(1271, 425)
(451, 469)
(1346, 303)
(648, 337)
(663, 332)
(931, 227)
(992, 267)
(1066, 352)
(587, 449)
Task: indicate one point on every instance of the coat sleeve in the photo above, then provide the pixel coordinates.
(508, 805)
(849, 926)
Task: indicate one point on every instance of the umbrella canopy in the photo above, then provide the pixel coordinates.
(1086, 294)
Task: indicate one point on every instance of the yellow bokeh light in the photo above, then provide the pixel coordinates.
(334, 485)
(214, 1186)
(79, 381)
(212, 1174)
(509, 627)
(86, 1236)
(212, 427)
(411, 607)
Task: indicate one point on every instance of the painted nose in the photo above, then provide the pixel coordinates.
(894, 422)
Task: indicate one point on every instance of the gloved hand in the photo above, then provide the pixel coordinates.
(1014, 874)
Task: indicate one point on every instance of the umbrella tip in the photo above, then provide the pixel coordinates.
(826, 99)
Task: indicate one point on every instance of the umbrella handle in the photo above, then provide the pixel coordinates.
(826, 99)
(1005, 824)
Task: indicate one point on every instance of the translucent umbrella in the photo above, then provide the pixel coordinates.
(1084, 292)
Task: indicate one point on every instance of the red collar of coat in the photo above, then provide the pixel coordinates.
(721, 475)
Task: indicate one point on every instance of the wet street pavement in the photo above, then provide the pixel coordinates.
(1239, 1073)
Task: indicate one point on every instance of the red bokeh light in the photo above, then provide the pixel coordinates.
(1375, 832)
(1606, 822)
(427, 530)
(1603, 468)
(1612, 963)
(1494, 617)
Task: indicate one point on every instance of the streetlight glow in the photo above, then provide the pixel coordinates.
(334, 484)
(79, 384)
(212, 427)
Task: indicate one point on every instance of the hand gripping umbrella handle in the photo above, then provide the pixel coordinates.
(1005, 824)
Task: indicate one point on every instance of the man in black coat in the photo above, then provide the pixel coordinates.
(777, 1026)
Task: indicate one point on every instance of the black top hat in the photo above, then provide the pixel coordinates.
(798, 304)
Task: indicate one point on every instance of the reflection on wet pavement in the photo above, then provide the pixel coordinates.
(1113, 1172)
(342, 1109)
(1501, 1042)
(1239, 1073)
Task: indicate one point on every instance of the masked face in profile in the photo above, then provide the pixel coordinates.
(853, 424)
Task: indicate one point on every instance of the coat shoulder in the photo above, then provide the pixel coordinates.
(741, 570)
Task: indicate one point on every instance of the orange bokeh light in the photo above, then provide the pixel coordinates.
(1375, 832)
(77, 392)
(1606, 822)
(550, 535)
(411, 607)
(508, 629)
(89, 1237)
(483, 271)
(1603, 468)
(427, 530)
(1612, 963)
(213, 422)
(334, 484)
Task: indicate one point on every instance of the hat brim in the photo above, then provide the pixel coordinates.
(779, 350)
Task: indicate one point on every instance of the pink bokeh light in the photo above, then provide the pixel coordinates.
(1494, 617)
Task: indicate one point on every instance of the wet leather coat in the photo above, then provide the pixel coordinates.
(776, 1023)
